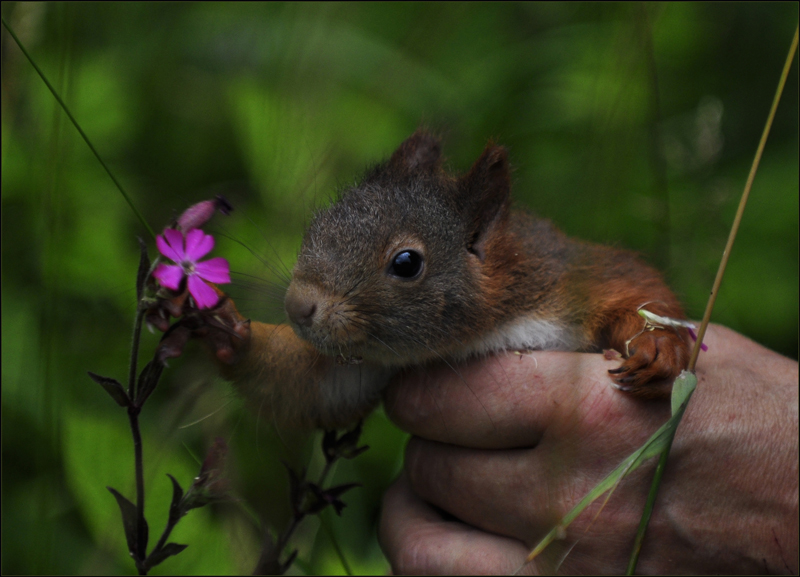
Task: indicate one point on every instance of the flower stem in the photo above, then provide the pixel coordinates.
(164, 536)
(137, 335)
(133, 417)
(141, 528)
(740, 211)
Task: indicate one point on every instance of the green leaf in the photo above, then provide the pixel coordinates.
(682, 389)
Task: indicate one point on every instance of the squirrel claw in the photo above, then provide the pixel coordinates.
(656, 358)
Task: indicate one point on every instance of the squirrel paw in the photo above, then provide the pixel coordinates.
(222, 329)
(655, 357)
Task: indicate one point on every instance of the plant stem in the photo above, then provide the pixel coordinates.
(659, 473)
(325, 471)
(141, 527)
(740, 211)
(132, 366)
(133, 417)
(165, 535)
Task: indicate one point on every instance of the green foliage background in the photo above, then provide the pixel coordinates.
(628, 124)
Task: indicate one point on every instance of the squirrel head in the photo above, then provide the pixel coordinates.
(396, 271)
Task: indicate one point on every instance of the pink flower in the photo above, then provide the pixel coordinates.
(185, 253)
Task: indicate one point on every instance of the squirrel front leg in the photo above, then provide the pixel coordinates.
(283, 377)
(653, 357)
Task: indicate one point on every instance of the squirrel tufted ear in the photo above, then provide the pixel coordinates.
(485, 195)
(420, 151)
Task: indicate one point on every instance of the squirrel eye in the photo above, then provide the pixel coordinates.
(406, 264)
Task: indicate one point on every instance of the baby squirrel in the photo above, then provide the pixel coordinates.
(415, 265)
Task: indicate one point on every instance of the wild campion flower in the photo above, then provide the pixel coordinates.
(186, 252)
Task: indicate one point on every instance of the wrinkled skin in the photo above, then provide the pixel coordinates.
(492, 467)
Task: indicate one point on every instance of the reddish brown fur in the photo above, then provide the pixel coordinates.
(487, 266)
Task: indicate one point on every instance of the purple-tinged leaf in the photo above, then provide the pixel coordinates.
(144, 268)
(148, 379)
(323, 498)
(344, 447)
(175, 510)
(113, 387)
(129, 523)
(173, 342)
(212, 484)
(167, 550)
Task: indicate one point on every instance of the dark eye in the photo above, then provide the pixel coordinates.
(406, 264)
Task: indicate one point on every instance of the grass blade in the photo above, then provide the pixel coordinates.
(655, 445)
(80, 130)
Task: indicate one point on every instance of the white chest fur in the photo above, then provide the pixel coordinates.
(530, 334)
(357, 385)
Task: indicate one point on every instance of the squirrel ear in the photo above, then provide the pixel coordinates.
(420, 151)
(485, 193)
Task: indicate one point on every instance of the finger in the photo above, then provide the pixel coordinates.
(506, 492)
(504, 401)
(417, 540)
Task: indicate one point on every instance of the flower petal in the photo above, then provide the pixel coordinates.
(169, 275)
(204, 295)
(216, 270)
(692, 334)
(198, 244)
(171, 245)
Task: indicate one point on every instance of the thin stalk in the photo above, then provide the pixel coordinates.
(339, 553)
(137, 334)
(651, 497)
(164, 536)
(133, 417)
(740, 211)
(284, 538)
(328, 530)
(141, 535)
(80, 130)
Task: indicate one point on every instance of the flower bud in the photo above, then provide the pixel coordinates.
(198, 214)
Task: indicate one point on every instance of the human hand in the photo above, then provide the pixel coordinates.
(511, 443)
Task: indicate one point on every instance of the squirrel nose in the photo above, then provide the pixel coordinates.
(300, 310)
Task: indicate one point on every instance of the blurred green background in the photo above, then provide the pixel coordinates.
(627, 124)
